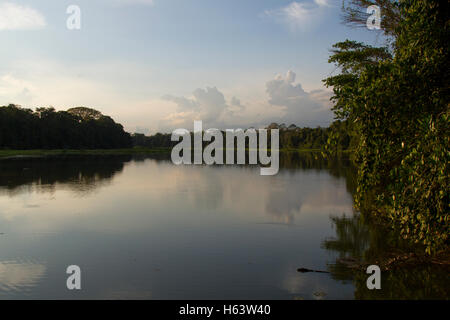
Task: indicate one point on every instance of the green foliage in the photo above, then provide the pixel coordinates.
(303, 138)
(352, 58)
(399, 108)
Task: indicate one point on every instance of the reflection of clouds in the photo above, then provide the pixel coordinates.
(312, 194)
(20, 276)
(205, 190)
(284, 205)
(171, 215)
(243, 191)
(151, 191)
(329, 198)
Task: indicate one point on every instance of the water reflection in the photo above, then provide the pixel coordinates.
(79, 174)
(20, 276)
(362, 242)
(140, 227)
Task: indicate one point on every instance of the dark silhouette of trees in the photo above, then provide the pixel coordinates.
(291, 137)
(82, 174)
(45, 128)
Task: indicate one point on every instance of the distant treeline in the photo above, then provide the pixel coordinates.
(85, 128)
(45, 128)
(291, 137)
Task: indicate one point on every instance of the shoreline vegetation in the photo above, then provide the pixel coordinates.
(396, 98)
(85, 131)
(39, 153)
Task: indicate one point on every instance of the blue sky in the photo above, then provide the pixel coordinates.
(158, 65)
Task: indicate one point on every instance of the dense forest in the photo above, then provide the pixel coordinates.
(291, 138)
(85, 128)
(45, 128)
(396, 99)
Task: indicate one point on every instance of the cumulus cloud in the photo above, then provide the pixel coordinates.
(282, 90)
(211, 102)
(208, 105)
(298, 106)
(281, 99)
(235, 106)
(286, 102)
(18, 17)
(182, 103)
(298, 15)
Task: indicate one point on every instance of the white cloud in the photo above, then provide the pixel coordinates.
(281, 99)
(235, 106)
(298, 15)
(18, 17)
(208, 105)
(298, 106)
(182, 103)
(282, 90)
(286, 102)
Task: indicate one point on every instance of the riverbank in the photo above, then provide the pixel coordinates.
(36, 153)
(5, 154)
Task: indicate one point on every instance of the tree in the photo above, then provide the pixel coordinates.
(85, 113)
(400, 111)
(48, 129)
(355, 14)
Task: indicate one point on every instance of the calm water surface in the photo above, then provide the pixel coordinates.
(143, 228)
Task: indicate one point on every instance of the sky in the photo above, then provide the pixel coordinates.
(158, 65)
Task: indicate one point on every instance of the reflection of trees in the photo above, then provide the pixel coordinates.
(367, 243)
(283, 204)
(352, 237)
(158, 156)
(420, 282)
(352, 240)
(337, 165)
(81, 174)
(360, 241)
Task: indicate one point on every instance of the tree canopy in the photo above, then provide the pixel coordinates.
(45, 128)
(399, 110)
